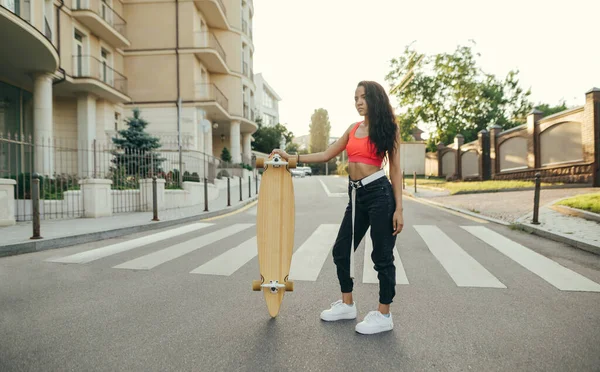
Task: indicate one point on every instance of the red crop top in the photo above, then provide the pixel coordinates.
(362, 150)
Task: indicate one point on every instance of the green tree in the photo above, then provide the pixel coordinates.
(450, 94)
(407, 122)
(319, 130)
(268, 138)
(319, 133)
(551, 110)
(134, 155)
(225, 155)
(291, 148)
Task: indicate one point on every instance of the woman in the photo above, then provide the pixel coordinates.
(378, 203)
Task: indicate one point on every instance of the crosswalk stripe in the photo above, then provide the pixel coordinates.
(230, 261)
(369, 272)
(547, 269)
(154, 259)
(308, 260)
(462, 268)
(98, 253)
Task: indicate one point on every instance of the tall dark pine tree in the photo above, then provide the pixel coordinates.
(135, 155)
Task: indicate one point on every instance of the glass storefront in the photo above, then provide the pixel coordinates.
(16, 111)
(16, 126)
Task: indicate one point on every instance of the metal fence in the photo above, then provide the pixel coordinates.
(60, 194)
(63, 163)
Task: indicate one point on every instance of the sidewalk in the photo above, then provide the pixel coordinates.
(516, 208)
(60, 233)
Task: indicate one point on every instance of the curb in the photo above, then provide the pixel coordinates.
(562, 238)
(576, 212)
(460, 210)
(523, 226)
(61, 242)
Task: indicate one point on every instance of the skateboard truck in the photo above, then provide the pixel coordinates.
(274, 285)
(276, 161)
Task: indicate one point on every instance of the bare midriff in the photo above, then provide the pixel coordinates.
(358, 171)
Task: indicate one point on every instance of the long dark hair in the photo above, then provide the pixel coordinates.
(383, 129)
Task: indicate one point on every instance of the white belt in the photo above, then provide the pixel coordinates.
(357, 185)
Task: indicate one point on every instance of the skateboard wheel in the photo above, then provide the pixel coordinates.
(291, 162)
(260, 162)
(256, 285)
(289, 286)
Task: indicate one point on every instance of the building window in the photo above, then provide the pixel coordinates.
(267, 100)
(117, 121)
(78, 60)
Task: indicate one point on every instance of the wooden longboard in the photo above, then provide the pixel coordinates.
(275, 226)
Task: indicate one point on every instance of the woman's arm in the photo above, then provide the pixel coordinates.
(320, 157)
(396, 179)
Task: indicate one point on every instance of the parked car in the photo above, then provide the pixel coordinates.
(307, 170)
(297, 172)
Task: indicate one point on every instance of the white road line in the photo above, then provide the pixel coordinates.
(230, 261)
(95, 254)
(333, 194)
(370, 274)
(462, 268)
(154, 259)
(547, 269)
(308, 260)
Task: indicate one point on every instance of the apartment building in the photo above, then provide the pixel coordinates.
(268, 101)
(72, 71)
(190, 64)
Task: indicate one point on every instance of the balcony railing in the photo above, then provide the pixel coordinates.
(209, 40)
(104, 11)
(91, 67)
(19, 8)
(207, 92)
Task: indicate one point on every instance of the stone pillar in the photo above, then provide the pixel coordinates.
(86, 133)
(7, 202)
(533, 139)
(494, 154)
(247, 147)
(484, 155)
(440, 147)
(97, 198)
(208, 139)
(459, 140)
(42, 125)
(147, 201)
(234, 142)
(590, 133)
(202, 128)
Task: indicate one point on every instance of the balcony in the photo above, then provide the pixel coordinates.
(214, 12)
(95, 76)
(210, 52)
(212, 100)
(102, 20)
(24, 47)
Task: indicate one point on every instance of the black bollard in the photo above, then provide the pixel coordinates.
(536, 199)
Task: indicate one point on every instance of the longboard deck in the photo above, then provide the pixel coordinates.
(275, 225)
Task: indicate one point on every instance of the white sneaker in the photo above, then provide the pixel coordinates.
(339, 310)
(375, 322)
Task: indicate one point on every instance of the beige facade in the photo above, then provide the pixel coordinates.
(75, 69)
(198, 54)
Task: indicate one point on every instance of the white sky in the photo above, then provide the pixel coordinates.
(314, 52)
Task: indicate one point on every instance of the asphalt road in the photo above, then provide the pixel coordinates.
(471, 296)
